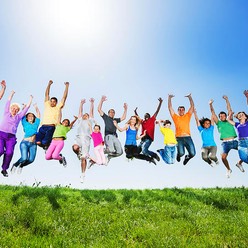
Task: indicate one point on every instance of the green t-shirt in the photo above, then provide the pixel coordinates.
(226, 130)
(61, 131)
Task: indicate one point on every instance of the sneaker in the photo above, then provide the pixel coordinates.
(19, 170)
(157, 157)
(107, 160)
(5, 173)
(228, 173)
(13, 169)
(217, 162)
(91, 162)
(186, 159)
(240, 167)
(212, 163)
(82, 177)
(153, 161)
(64, 161)
(178, 158)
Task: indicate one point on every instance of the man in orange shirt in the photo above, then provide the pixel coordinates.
(182, 121)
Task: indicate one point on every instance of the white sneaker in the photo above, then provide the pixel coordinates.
(19, 170)
(82, 177)
(212, 164)
(240, 167)
(13, 169)
(217, 162)
(228, 173)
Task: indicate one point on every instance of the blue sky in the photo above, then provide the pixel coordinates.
(134, 52)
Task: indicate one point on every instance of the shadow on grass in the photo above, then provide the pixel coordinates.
(52, 194)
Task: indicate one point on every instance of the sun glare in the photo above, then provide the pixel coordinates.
(77, 20)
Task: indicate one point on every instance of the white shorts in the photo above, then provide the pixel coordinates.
(84, 143)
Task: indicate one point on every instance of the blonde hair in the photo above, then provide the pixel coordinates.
(15, 104)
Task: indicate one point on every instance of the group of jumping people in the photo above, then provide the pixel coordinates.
(52, 133)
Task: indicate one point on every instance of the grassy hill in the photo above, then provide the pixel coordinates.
(64, 217)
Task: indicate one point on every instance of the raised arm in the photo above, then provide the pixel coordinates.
(30, 101)
(214, 116)
(11, 95)
(171, 110)
(191, 102)
(228, 105)
(159, 106)
(91, 114)
(246, 95)
(196, 118)
(47, 92)
(230, 120)
(135, 111)
(37, 110)
(65, 94)
(103, 99)
(3, 84)
(80, 113)
(72, 123)
(124, 113)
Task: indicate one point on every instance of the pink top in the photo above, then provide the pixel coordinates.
(97, 138)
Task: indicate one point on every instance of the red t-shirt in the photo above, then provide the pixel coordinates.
(149, 126)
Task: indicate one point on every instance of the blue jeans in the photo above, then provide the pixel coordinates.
(185, 142)
(229, 145)
(28, 153)
(144, 145)
(168, 154)
(45, 134)
(243, 150)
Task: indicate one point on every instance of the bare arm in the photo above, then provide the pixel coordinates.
(214, 116)
(11, 95)
(124, 113)
(135, 111)
(246, 95)
(3, 84)
(103, 99)
(171, 110)
(72, 123)
(159, 106)
(47, 92)
(119, 128)
(65, 94)
(91, 114)
(196, 118)
(192, 105)
(141, 136)
(37, 110)
(228, 105)
(30, 101)
(80, 113)
(230, 120)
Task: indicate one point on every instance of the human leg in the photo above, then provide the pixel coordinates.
(50, 150)
(180, 148)
(212, 154)
(9, 151)
(204, 155)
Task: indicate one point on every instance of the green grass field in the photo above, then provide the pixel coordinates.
(64, 217)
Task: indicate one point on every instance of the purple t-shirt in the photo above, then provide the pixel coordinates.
(242, 129)
(10, 123)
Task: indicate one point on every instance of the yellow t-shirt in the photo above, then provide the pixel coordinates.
(169, 135)
(51, 114)
(182, 124)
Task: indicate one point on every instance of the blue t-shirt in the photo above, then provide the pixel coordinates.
(30, 129)
(131, 137)
(207, 135)
(242, 129)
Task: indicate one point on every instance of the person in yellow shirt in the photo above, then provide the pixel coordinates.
(182, 125)
(50, 116)
(168, 154)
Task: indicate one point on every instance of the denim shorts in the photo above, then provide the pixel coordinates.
(229, 145)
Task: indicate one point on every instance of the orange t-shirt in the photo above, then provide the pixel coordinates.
(182, 124)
